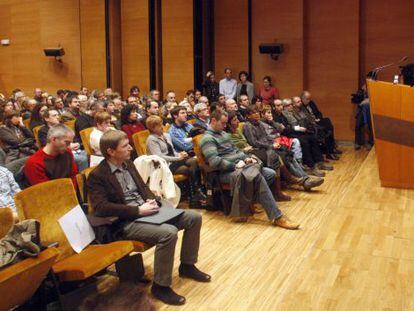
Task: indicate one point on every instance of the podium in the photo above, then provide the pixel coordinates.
(392, 112)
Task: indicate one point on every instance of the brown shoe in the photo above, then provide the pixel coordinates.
(285, 223)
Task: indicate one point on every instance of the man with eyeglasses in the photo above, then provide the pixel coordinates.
(55, 160)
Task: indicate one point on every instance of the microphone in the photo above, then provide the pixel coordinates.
(380, 68)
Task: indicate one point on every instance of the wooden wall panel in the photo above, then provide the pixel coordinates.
(386, 34)
(177, 46)
(230, 36)
(32, 26)
(93, 45)
(282, 22)
(332, 58)
(135, 45)
(115, 43)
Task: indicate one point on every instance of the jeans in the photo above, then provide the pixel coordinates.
(296, 149)
(265, 197)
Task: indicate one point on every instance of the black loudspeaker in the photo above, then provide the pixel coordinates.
(271, 48)
(407, 72)
(55, 52)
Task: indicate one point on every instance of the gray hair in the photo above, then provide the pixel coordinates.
(198, 107)
(59, 131)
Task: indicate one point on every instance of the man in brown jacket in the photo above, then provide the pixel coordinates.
(116, 189)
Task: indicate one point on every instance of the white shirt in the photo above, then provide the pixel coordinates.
(228, 88)
(94, 140)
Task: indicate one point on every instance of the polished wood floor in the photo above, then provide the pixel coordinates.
(355, 250)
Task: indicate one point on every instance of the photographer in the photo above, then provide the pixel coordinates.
(363, 117)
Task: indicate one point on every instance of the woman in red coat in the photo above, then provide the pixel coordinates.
(131, 122)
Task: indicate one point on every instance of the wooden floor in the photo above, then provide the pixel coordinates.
(355, 250)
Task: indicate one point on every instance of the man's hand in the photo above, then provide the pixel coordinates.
(248, 149)
(276, 146)
(183, 155)
(74, 146)
(250, 160)
(240, 164)
(148, 208)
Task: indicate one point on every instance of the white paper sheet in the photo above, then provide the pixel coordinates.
(95, 160)
(77, 229)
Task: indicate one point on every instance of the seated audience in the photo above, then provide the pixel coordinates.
(160, 144)
(103, 124)
(58, 105)
(129, 122)
(322, 122)
(110, 108)
(312, 154)
(274, 130)
(270, 151)
(73, 111)
(243, 105)
(36, 118)
(202, 116)
(188, 103)
(55, 160)
(222, 101)
(244, 87)
(221, 154)
(87, 118)
(17, 140)
(180, 130)
(228, 85)
(156, 96)
(230, 106)
(197, 95)
(267, 91)
(28, 107)
(116, 189)
(8, 188)
(51, 118)
(307, 121)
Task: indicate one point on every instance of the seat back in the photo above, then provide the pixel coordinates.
(197, 150)
(192, 121)
(36, 134)
(166, 127)
(6, 220)
(240, 127)
(140, 141)
(26, 123)
(71, 124)
(85, 136)
(47, 202)
(19, 281)
(80, 179)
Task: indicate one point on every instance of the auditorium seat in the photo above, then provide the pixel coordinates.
(49, 201)
(19, 281)
(85, 136)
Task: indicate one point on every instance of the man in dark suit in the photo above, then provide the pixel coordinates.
(116, 189)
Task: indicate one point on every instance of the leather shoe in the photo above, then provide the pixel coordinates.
(285, 223)
(312, 182)
(324, 166)
(332, 156)
(191, 271)
(167, 295)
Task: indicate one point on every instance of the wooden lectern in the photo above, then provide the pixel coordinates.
(392, 111)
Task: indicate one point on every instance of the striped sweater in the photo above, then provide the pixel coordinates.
(219, 151)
